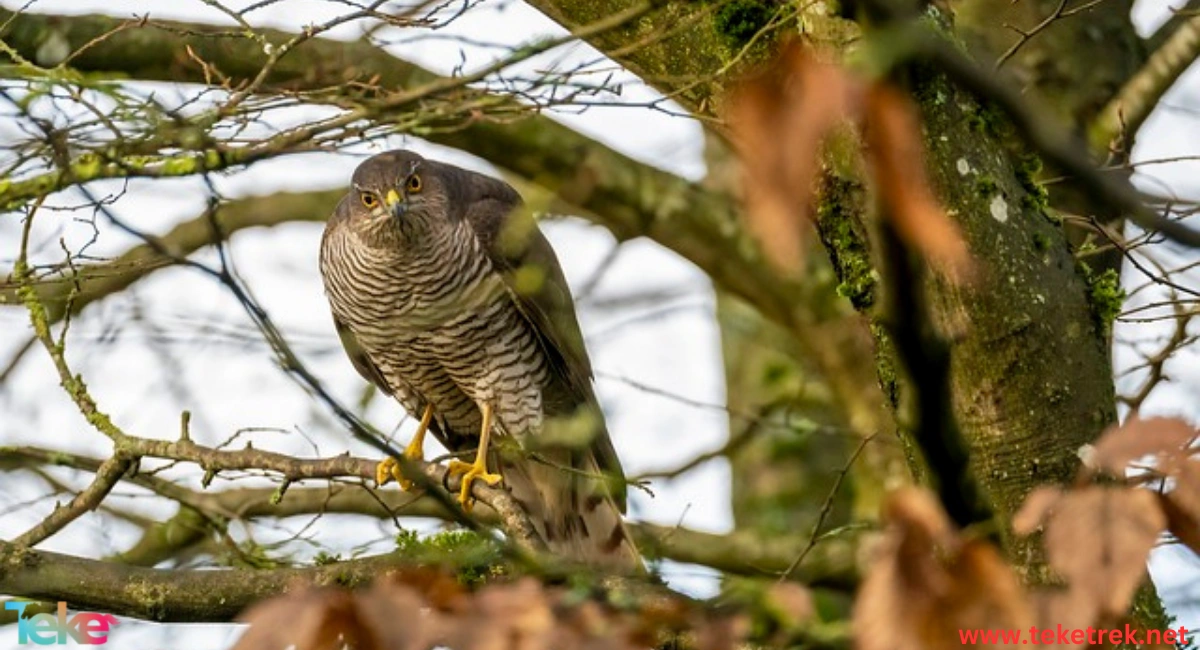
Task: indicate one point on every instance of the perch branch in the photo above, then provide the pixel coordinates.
(831, 563)
(167, 595)
(428, 477)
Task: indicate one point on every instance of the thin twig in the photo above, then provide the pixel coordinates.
(1025, 36)
(107, 476)
(826, 508)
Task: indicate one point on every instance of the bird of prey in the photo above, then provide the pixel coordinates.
(447, 296)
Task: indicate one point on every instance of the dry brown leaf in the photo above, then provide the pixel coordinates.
(505, 617)
(1185, 488)
(1098, 539)
(590, 624)
(1066, 608)
(928, 583)
(393, 614)
(1166, 438)
(779, 120)
(1182, 523)
(791, 603)
(723, 633)
(920, 515)
(307, 619)
(415, 609)
(985, 592)
(893, 134)
(1170, 442)
(1033, 512)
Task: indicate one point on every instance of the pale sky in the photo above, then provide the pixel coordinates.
(229, 386)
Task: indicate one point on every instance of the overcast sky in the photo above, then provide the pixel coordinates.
(177, 341)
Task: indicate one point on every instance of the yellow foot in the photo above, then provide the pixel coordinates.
(470, 472)
(386, 470)
(389, 469)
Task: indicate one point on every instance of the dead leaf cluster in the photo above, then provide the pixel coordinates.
(928, 581)
(420, 610)
(781, 120)
(1097, 539)
(1164, 453)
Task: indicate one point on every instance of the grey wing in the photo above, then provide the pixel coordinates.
(525, 259)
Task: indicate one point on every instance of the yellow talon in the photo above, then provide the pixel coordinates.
(389, 469)
(470, 472)
(477, 469)
(385, 471)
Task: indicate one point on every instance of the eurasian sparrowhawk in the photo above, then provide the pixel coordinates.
(447, 296)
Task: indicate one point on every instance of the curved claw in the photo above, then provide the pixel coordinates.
(386, 471)
(470, 472)
(389, 469)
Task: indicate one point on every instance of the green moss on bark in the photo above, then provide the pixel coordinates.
(738, 21)
(475, 559)
(1036, 197)
(1106, 294)
(845, 238)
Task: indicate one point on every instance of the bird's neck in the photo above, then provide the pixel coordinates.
(416, 242)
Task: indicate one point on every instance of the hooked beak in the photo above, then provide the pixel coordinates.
(395, 203)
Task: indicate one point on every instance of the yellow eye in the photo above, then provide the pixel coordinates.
(414, 184)
(369, 200)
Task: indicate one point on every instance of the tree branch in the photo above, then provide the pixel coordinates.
(668, 55)
(831, 563)
(96, 281)
(1125, 113)
(630, 198)
(107, 476)
(292, 469)
(1178, 17)
(926, 359)
(1111, 196)
(168, 595)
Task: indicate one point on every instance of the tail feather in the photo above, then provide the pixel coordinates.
(571, 506)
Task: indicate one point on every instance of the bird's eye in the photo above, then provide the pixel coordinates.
(414, 184)
(369, 200)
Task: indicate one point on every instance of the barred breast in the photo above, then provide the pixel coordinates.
(442, 328)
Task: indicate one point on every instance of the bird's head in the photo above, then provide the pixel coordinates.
(397, 193)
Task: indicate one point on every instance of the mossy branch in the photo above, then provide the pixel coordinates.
(168, 595)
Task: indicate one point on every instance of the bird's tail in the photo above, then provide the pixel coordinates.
(570, 504)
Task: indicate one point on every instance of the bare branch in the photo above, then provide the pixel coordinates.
(96, 281)
(831, 560)
(107, 476)
(1124, 114)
